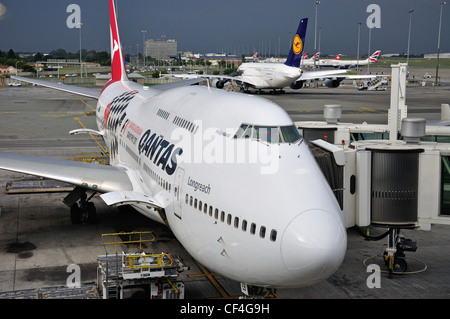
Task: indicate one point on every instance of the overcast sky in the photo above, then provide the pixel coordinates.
(203, 26)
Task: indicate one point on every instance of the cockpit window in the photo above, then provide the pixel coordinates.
(267, 133)
(290, 134)
(245, 131)
(271, 134)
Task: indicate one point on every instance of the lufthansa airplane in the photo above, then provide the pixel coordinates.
(274, 76)
(228, 173)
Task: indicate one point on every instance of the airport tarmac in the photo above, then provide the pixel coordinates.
(38, 240)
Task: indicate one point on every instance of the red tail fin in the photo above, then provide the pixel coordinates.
(118, 70)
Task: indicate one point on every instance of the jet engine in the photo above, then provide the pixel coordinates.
(333, 83)
(297, 85)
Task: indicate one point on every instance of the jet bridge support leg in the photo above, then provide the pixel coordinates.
(82, 211)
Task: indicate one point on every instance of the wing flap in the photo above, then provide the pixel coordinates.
(316, 75)
(128, 197)
(86, 131)
(101, 178)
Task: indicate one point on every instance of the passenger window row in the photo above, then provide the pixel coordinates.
(191, 127)
(158, 179)
(235, 222)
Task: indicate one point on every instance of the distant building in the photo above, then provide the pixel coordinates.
(6, 69)
(434, 56)
(214, 58)
(234, 60)
(160, 49)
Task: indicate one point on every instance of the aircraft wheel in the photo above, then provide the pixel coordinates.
(92, 213)
(75, 214)
(400, 265)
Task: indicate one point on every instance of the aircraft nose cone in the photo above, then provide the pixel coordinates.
(313, 245)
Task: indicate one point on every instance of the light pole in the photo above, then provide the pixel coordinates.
(439, 43)
(81, 65)
(357, 53)
(137, 54)
(320, 33)
(409, 40)
(143, 44)
(315, 32)
(368, 54)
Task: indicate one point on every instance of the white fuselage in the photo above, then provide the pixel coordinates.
(268, 75)
(336, 63)
(344, 63)
(257, 212)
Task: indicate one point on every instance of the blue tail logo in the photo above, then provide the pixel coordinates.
(295, 56)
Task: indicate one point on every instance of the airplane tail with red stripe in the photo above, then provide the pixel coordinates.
(118, 70)
(374, 57)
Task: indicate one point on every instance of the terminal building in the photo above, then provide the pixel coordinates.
(161, 49)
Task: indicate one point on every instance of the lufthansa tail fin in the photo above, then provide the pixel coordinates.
(118, 70)
(295, 52)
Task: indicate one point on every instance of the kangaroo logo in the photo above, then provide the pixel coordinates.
(297, 45)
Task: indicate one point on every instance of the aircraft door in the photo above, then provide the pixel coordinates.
(179, 177)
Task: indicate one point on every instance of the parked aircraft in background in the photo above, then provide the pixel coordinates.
(252, 58)
(318, 61)
(345, 64)
(275, 76)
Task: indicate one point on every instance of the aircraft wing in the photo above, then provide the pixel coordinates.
(168, 86)
(112, 181)
(200, 76)
(317, 75)
(363, 77)
(101, 178)
(95, 92)
(88, 92)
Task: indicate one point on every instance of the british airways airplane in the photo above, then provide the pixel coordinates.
(345, 64)
(228, 173)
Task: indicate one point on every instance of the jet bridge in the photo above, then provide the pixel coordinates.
(352, 157)
(396, 176)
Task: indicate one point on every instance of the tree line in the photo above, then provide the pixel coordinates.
(12, 58)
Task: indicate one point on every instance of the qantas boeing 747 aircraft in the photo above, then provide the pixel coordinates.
(228, 173)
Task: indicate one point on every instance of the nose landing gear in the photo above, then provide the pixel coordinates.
(394, 257)
(394, 254)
